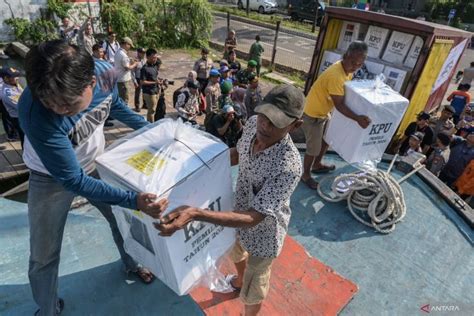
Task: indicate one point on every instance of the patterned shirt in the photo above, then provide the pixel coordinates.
(265, 183)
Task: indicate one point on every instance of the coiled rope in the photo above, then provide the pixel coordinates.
(377, 195)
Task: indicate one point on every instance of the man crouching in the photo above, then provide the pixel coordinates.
(269, 171)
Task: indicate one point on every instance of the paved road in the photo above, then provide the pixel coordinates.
(293, 51)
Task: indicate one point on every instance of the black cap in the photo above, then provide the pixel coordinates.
(193, 84)
(282, 105)
(10, 72)
(424, 116)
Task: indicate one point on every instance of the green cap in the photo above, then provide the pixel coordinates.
(252, 63)
(226, 87)
(282, 105)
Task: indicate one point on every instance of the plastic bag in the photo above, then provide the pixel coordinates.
(189, 167)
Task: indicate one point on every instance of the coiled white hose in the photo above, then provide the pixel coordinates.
(377, 194)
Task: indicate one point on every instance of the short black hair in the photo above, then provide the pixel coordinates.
(466, 86)
(257, 38)
(423, 116)
(96, 47)
(204, 50)
(56, 70)
(111, 33)
(151, 51)
(444, 138)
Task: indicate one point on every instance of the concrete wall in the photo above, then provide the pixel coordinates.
(27, 9)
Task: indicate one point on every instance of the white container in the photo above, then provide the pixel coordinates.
(349, 33)
(154, 161)
(375, 39)
(382, 105)
(329, 58)
(397, 47)
(414, 52)
(395, 77)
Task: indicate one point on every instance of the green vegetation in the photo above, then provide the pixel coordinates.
(153, 23)
(270, 19)
(439, 9)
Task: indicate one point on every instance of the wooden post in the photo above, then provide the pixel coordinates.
(228, 22)
(247, 8)
(315, 18)
(275, 44)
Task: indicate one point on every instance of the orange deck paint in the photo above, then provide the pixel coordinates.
(299, 285)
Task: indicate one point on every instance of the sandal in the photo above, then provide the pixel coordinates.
(310, 183)
(144, 275)
(229, 278)
(324, 169)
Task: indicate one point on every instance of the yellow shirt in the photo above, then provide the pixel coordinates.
(331, 82)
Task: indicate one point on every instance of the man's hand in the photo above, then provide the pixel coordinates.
(176, 220)
(363, 121)
(146, 203)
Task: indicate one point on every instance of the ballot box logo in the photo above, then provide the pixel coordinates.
(398, 45)
(201, 234)
(383, 128)
(195, 227)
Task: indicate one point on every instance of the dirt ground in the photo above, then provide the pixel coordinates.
(176, 65)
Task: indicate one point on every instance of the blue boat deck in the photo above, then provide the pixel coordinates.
(428, 259)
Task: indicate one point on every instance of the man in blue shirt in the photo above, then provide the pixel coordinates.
(62, 112)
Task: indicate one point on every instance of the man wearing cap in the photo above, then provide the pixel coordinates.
(187, 103)
(227, 126)
(444, 123)
(11, 92)
(326, 94)
(225, 74)
(213, 91)
(242, 77)
(421, 125)
(269, 171)
(202, 67)
(123, 66)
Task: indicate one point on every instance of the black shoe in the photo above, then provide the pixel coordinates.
(59, 307)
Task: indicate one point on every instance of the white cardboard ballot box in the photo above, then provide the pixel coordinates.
(349, 33)
(189, 167)
(414, 52)
(397, 47)
(382, 105)
(329, 58)
(375, 40)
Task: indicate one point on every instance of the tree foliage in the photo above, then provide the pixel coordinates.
(159, 23)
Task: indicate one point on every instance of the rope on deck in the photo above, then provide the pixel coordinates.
(377, 194)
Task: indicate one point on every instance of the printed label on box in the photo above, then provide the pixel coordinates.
(414, 52)
(375, 39)
(397, 47)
